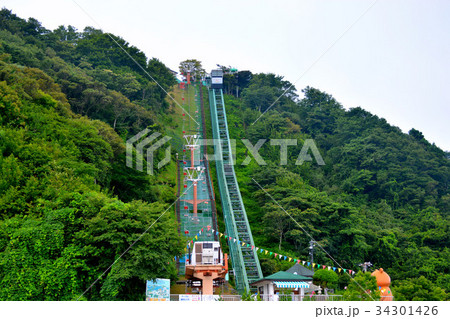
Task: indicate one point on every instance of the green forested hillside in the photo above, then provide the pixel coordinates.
(69, 206)
(382, 195)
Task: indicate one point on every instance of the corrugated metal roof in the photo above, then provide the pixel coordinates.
(300, 270)
(284, 275)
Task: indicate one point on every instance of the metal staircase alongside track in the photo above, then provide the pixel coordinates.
(244, 259)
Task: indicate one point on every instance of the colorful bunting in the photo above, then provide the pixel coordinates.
(295, 260)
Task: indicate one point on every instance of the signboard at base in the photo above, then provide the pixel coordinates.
(158, 290)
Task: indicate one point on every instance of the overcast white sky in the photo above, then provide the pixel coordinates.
(394, 62)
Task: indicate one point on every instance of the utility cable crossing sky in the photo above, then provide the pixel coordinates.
(246, 263)
(199, 200)
(318, 59)
(393, 64)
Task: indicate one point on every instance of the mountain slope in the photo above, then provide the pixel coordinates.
(61, 226)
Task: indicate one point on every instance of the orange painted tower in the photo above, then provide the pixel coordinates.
(383, 283)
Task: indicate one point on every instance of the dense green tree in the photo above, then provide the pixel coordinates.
(327, 279)
(418, 289)
(362, 287)
(60, 225)
(382, 195)
(277, 223)
(195, 66)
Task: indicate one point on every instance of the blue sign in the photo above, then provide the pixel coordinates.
(158, 290)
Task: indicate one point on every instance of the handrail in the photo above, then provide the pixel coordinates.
(248, 269)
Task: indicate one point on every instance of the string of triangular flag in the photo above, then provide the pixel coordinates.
(263, 251)
(192, 240)
(287, 258)
(195, 237)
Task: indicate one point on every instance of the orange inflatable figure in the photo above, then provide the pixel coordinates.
(383, 282)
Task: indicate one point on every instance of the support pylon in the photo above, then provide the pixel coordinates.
(195, 175)
(192, 145)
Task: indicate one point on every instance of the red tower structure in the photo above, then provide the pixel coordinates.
(192, 145)
(195, 175)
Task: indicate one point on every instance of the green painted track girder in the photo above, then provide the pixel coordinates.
(244, 259)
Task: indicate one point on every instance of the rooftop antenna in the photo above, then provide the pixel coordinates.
(311, 252)
(188, 68)
(365, 265)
